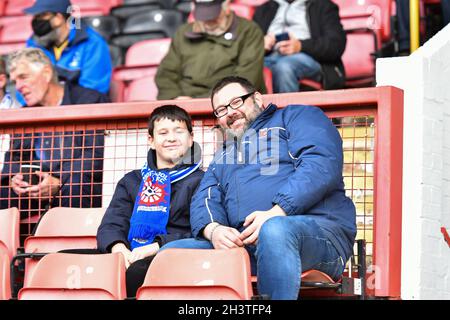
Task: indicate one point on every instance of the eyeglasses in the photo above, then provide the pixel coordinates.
(236, 103)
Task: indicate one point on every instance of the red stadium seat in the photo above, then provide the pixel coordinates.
(143, 89)
(65, 276)
(193, 274)
(15, 29)
(242, 10)
(15, 7)
(138, 54)
(9, 230)
(139, 71)
(94, 7)
(371, 14)
(267, 73)
(8, 48)
(5, 284)
(358, 58)
(60, 229)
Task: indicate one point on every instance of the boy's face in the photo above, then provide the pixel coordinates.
(171, 140)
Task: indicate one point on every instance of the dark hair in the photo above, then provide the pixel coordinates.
(247, 85)
(171, 112)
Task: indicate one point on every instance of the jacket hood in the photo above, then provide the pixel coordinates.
(193, 156)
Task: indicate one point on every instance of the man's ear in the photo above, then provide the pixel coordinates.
(47, 72)
(151, 142)
(259, 99)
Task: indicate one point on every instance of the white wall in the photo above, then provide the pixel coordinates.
(425, 78)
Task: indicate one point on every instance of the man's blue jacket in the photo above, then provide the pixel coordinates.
(291, 157)
(86, 61)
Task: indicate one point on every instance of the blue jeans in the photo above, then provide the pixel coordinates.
(288, 70)
(286, 247)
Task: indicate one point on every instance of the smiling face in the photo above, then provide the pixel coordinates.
(238, 120)
(32, 81)
(171, 140)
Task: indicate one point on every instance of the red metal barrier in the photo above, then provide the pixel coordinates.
(370, 122)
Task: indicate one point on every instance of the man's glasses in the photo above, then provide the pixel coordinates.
(234, 104)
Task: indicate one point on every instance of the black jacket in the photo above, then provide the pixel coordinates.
(328, 39)
(116, 222)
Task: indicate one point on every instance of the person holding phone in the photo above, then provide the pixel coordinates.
(303, 39)
(66, 166)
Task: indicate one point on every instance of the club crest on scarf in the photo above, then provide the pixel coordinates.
(152, 204)
(153, 192)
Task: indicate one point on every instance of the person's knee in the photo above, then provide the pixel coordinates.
(273, 230)
(283, 68)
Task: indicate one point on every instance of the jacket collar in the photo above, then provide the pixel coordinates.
(263, 116)
(193, 156)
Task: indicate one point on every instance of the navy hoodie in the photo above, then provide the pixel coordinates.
(116, 222)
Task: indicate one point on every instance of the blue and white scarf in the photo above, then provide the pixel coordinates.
(152, 204)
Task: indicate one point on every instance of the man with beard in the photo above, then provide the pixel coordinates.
(276, 189)
(80, 54)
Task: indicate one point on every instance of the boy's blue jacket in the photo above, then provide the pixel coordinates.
(291, 157)
(86, 60)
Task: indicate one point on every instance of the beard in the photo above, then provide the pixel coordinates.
(251, 116)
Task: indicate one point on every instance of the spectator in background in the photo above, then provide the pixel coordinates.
(275, 188)
(6, 100)
(314, 47)
(403, 14)
(69, 163)
(80, 54)
(215, 45)
(172, 149)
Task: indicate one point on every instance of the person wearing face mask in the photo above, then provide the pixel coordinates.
(217, 44)
(80, 54)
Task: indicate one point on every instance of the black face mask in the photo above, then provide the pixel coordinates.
(41, 27)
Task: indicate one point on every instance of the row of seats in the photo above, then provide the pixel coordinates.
(202, 274)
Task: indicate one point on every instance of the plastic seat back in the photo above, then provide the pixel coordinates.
(198, 274)
(357, 58)
(5, 284)
(138, 53)
(63, 276)
(15, 29)
(16, 7)
(9, 230)
(63, 228)
(143, 89)
(106, 26)
(166, 21)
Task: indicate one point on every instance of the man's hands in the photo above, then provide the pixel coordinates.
(286, 47)
(269, 41)
(223, 237)
(137, 254)
(254, 222)
(290, 46)
(49, 186)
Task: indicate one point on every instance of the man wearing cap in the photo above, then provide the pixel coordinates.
(304, 39)
(215, 45)
(80, 54)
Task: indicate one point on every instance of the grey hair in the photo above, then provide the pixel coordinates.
(35, 58)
